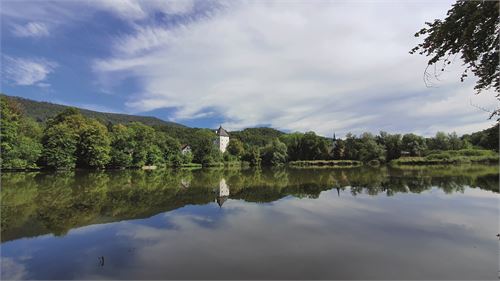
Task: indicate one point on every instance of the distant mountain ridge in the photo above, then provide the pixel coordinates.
(41, 111)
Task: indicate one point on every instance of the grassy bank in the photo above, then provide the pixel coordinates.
(226, 164)
(450, 157)
(324, 163)
(191, 166)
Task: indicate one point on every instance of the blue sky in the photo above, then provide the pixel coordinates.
(293, 65)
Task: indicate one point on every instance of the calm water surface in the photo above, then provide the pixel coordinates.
(359, 223)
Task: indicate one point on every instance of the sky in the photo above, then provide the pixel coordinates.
(323, 66)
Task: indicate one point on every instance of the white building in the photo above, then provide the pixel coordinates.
(222, 140)
(185, 149)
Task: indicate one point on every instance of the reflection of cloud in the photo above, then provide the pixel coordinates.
(89, 229)
(12, 270)
(481, 201)
(412, 236)
(481, 193)
(376, 230)
(176, 221)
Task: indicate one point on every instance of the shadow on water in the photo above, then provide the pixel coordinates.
(39, 203)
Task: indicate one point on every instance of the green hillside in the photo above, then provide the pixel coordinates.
(41, 111)
(257, 136)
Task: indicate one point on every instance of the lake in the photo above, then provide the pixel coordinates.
(349, 223)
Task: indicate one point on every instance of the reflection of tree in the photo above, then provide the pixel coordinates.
(37, 203)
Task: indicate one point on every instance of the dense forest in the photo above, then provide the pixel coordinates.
(71, 139)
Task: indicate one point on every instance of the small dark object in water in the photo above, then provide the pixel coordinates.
(498, 235)
(101, 260)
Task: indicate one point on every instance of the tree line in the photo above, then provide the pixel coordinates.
(70, 140)
(366, 147)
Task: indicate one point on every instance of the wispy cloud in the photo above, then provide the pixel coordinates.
(138, 10)
(33, 18)
(294, 66)
(31, 29)
(27, 71)
(316, 65)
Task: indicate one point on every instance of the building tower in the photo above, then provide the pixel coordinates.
(334, 140)
(222, 139)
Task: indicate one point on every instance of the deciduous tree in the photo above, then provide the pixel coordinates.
(471, 30)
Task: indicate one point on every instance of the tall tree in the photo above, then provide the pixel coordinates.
(338, 149)
(122, 146)
(488, 138)
(292, 142)
(204, 149)
(439, 142)
(236, 147)
(144, 138)
(169, 147)
(392, 144)
(413, 144)
(61, 138)
(274, 153)
(94, 145)
(471, 29)
(455, 143)
(59, 146)
(351, 150)
(369, 149)
(20, 138)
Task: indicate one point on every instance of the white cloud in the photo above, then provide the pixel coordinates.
(27, 72)
(31, 29)
(33, 18)
(138, 10)
(318, 66)
(12, 270)
(123, 8)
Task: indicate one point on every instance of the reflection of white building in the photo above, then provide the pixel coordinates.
(223, 188)
(222, 140)
(185, 183)
(222, 192)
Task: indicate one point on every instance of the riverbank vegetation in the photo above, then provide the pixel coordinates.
(450, 157)
(70, 140)
(325, 163)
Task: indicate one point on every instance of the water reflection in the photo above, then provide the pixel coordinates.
(222, 192)
(437, 222)
(39, 203)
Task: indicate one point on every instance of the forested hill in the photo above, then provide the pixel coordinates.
(41, 111)
(257, 136)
